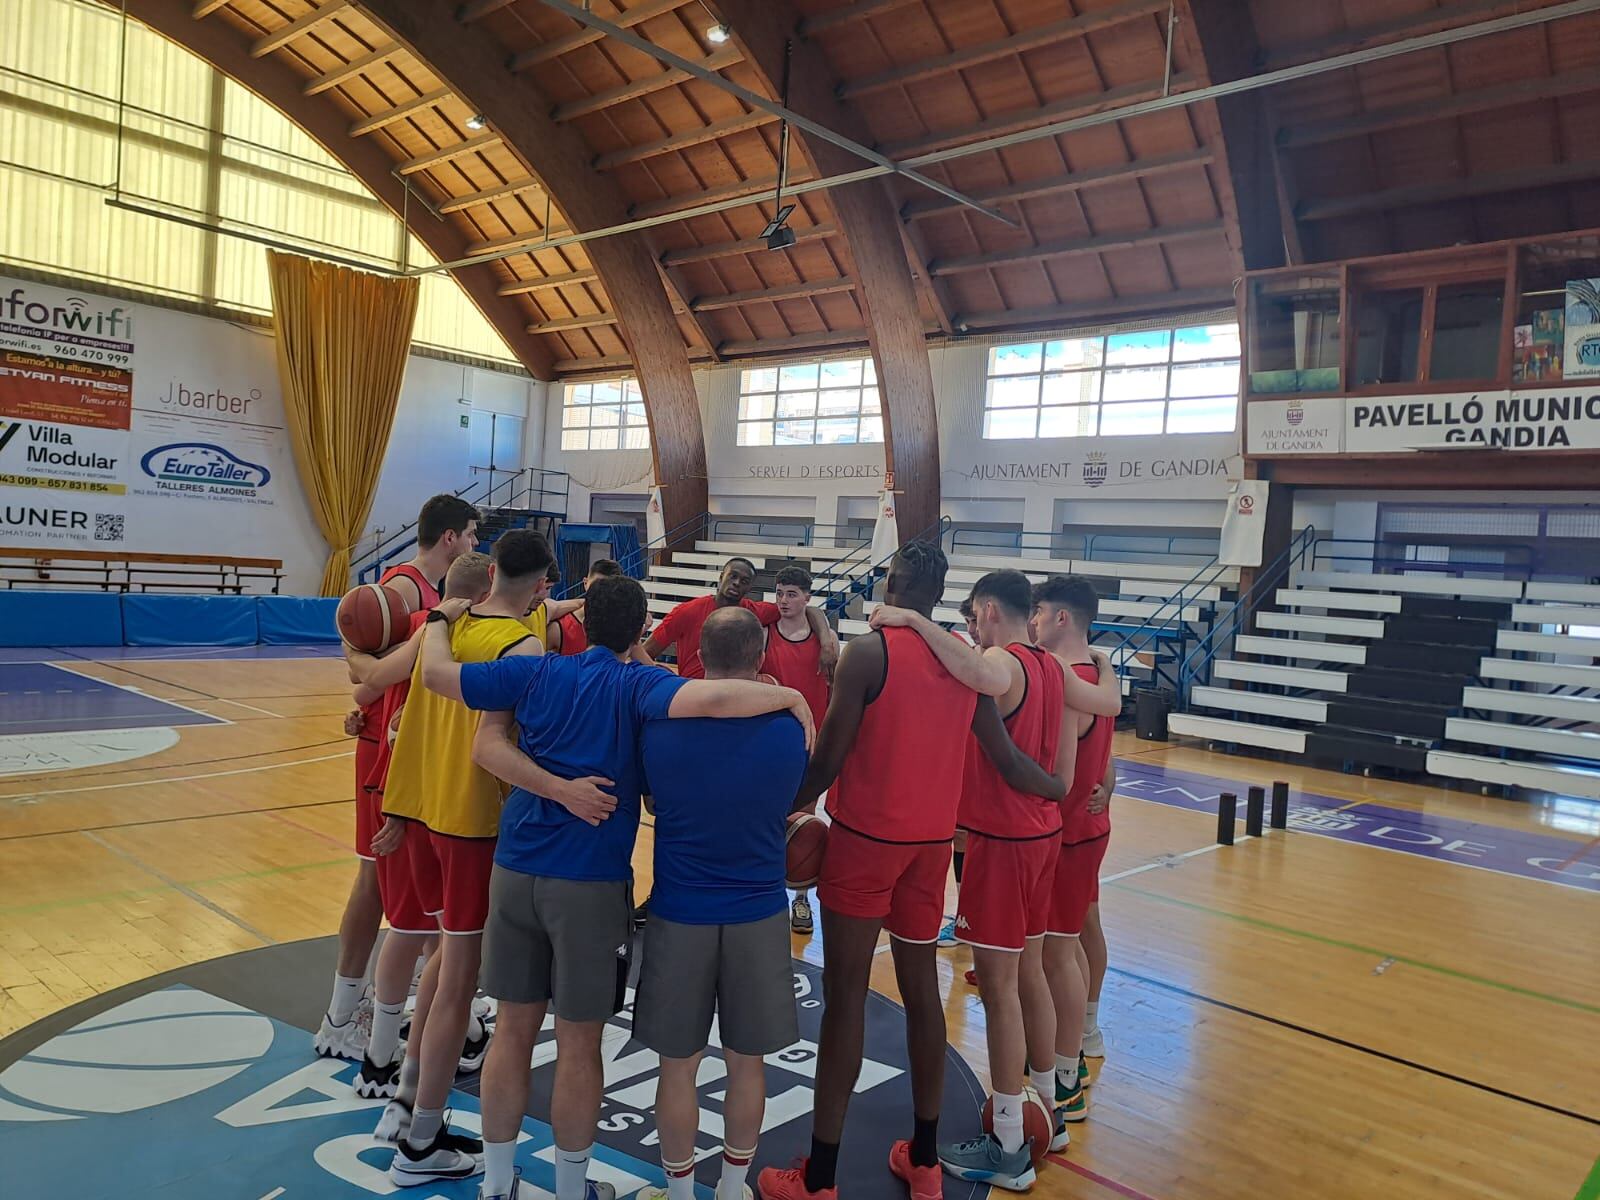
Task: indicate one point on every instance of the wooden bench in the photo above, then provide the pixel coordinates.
(130, 571)
(1301, 648)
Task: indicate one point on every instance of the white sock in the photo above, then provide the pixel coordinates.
(1008, 1122)
(385, 1039)
(735, 1169)
(1067, 1070)
(425, 1124)
(410, 1073)
(1091, 1016)
(346, 995)
(1044, 1082)
(572, 1172)
(498, 1172)
(680, 1179)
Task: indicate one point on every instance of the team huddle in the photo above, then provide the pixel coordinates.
(506, 748)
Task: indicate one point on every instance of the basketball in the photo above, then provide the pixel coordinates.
(1038, 1125)
(371, 618)
(807, 841)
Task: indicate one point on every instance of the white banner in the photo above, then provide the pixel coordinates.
(1554, 418)
(655, 521)
(1295, 426)
(1244, 523)
(886, 531)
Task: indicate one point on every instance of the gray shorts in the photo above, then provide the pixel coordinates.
(561, 940)
(740, 972)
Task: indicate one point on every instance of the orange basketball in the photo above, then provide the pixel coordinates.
(1038, 1125)
(807, 841)
(371, 618)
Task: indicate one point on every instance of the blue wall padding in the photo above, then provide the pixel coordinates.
(297, 620)
(154, 620)
(60, 618)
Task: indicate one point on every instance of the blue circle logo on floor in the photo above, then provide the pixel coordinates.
(176, 1090)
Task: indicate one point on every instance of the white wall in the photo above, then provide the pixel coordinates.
(174, 358)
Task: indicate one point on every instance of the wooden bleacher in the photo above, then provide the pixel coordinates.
(131, 571)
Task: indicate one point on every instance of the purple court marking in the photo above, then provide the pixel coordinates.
(39, 698)
(1527, 855)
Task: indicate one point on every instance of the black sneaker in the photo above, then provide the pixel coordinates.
(449, 1156)
(474, 1050)
(378, 1083)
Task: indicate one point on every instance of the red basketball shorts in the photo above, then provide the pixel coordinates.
(451, 875)
(1077, 885)
(402, 903)
(369, 805)
(901, 884)
(1006, 891)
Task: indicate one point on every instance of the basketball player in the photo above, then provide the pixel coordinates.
(717, 942)
(681, 626)
(895, 739)
(958, 859)
(1013, 842)
(1064, 608)
(451, 811)
(566, 633)
(1093, 938)
(413, 930)
(794, 659)
(559, 925)
(446, 528)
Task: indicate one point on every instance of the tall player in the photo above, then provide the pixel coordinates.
(895, 740)
(446, 528)
(1064, 609)
(794, 659)
(451, 810)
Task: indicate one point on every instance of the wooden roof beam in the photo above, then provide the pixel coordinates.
(282, 37)
(547, 283)
(489, 195)
(800, 341)
(772, 295)
(528, 243)
(1316, 133)
(1076, 181)
(1018, 43)
(204, 8)
(350, 70)
(445, 153)
(1158, 304)
(1453, 189)
(1413, 24)
(1069, 247)
(636, 88)
(715, 250)
(569, 324)
(399, 112)
(585, 36)
(846, 14)
(476, 10)
(757, 189)
(682, 141)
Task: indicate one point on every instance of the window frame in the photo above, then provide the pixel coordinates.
(754, 397)
(631, 397)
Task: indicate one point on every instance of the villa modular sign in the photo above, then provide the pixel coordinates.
(1295, 426)
(1534, 419)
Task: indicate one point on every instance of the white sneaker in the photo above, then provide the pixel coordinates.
(341, 1041)
(394, 1123)
(450, 1156)
(518, 1190)
(1094, 1043)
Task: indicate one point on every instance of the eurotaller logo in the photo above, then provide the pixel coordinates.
(74, 315)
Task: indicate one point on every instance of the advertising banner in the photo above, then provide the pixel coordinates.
(1536, 419)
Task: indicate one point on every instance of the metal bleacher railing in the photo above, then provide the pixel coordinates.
(856, 574)
(1388, 558)
(1197, 663)
(1167, 624)
(514, 493)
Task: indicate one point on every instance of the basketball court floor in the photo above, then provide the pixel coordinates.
(1398, 997)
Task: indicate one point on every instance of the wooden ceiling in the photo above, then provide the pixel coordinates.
(1149, 215)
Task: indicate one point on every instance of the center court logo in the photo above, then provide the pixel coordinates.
(200, 467)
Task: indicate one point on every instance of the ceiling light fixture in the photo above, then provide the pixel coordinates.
(476, 122)
(777, 234)
(718, 33)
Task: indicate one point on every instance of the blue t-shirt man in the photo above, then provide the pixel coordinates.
(721, 791)
(578, 715)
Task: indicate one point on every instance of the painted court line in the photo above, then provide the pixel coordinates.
(211, 718)
(1166, 860)
(1121, 1189)
(1589, 1189)
(241, 704)
(112, 787)
(182, 889)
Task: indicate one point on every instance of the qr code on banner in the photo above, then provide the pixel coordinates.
(108, 527)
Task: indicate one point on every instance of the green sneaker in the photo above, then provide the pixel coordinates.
(1071, 1104)
(983, 1161)
(1083, 1071)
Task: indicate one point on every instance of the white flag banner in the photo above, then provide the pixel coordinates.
(886, 532)
(1244, 524)
(655, 521)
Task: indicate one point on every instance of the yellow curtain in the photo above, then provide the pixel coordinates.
(342, 338)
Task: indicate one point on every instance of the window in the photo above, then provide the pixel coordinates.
(810, 404)
(604, 416)
(1118, 384)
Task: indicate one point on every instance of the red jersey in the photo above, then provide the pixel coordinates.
(428, 591)
(383, 713)
(901, 781)
(574, 638)
(798, 664)
(681, 627)
(989, 805)
(1094, 754)
(370, 712)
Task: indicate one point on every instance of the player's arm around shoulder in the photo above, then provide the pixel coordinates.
(739, 698)
(1102, 699)
(855, 685)
(1015, 767)
(971, 666)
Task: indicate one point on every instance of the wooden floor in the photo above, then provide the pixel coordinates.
(1290, 1017)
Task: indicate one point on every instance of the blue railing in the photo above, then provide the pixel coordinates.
(672, 539)
(861, 573)
(1197, 663)
(784, 532)
(1159, 626)
(1378, 562)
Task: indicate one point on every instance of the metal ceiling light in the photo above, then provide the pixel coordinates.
(477, 122)
(718, 33)
(778, 235)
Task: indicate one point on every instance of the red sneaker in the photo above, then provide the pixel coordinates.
(789, 1183)
(926, 1183)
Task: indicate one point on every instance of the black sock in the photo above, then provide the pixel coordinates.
(822, 1165)
(925, 1143)
(960, 858)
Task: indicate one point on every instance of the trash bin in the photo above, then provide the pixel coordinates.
(1152, 705)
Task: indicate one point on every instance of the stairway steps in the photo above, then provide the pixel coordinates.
(1403, 718)
(1441, 631)
(1345, 744)
(1421, 656)
(1390, 683)
(1450, 608)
